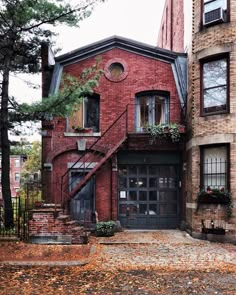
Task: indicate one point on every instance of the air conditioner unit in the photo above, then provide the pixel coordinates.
(214, 16)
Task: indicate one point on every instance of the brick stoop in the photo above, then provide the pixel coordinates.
(48, 225)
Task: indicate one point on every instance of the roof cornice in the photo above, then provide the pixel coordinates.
(118, 42)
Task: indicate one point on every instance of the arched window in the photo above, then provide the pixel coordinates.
(151, 109)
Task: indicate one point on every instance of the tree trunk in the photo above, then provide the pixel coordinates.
(5, 146)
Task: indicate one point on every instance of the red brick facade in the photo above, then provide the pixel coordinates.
(172, 26)
(16, 164)
(145, 70)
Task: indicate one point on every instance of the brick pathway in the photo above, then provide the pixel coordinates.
(171, 248)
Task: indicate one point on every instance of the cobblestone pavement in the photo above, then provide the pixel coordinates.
(170, 248)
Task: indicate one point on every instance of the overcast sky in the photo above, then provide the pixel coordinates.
(135, 19)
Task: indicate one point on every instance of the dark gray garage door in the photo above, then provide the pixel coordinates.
(148, 196)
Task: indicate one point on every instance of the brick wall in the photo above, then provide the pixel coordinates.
(144, 74)
(171, 32)
(213, 129)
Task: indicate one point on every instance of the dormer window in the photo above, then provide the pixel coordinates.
(214, 11)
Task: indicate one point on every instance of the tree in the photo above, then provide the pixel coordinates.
(22, 31)
(32, 165)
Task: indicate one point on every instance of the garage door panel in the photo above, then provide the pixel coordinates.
(148, 196)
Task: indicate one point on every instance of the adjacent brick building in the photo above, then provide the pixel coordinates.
(116, 168)
(16, 164)
(210, 146)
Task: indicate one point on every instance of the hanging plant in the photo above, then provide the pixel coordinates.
(165, 131)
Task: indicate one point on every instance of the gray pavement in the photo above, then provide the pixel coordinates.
(165, 248)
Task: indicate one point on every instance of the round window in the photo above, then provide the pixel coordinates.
(116, 70)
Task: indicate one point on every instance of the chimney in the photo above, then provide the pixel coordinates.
(48, 62)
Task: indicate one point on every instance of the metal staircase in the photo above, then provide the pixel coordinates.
(96, 155)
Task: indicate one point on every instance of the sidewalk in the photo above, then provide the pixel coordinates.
(164, 248)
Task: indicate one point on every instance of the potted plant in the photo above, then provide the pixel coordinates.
(105, 229)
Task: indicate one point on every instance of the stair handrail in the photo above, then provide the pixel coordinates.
(91, 146)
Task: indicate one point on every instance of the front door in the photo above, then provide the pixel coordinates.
(82, 205)
(148, 196)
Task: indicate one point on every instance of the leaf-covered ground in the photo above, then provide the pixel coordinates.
(19, 251)
(74, 280)
(162, 262)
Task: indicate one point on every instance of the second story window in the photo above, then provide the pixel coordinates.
(17, 162)
(215, 11)
(17, 177)
(87, 116)
(215, 86)
(151, 110)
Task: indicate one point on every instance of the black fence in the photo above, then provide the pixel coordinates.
(20, 217)
(21, 206)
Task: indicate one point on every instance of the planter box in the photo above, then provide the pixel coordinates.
(215, 231)
(213, 199)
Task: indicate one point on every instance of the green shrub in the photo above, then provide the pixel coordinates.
(105, 229)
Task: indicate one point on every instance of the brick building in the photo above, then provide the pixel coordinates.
(210, 145)
(16, 164)
(103, 159)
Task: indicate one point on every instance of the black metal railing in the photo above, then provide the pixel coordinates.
(112, 135)
(20, 224)
(214, 174)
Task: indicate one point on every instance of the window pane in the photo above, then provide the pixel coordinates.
(215, 73)
(160, 110)
(152, 209)
(215, 167)
(133, 195)
(142, 182)
(211, 5)
(132, 182)
(168, 197)
(152, 182)
(91, 113)
(143, 111)
(142, 209)
(142, 196)
(152, 196)
(215, 97)
(122, 183)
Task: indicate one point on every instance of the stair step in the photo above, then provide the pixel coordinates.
(72, 222)
(63, 217)
(77, 228)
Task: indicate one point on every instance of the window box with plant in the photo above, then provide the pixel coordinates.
(80, 129)
(171, 131)
(216, 196)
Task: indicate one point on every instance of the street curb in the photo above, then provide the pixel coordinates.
(45, 263)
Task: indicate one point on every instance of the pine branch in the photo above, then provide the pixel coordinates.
(54, 19)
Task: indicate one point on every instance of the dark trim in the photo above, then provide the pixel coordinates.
(202, 148)
(122, 43)
(204, 61)
(153, 92)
